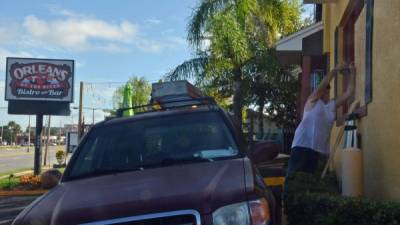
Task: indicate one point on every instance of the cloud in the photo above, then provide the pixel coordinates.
(168, 31)
(4, 53)
(76, 33)
(79, 64)
(8, 32)
(58, 10)
(112, 48)
(149, 46)
(177, 40)
(70, 31)
(153, 21)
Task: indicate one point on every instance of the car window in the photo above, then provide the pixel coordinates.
(153, 142)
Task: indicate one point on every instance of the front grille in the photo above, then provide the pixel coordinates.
(181, 217)
(171, 220)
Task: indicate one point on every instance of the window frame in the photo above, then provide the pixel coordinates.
(369, 30)
(345, 48)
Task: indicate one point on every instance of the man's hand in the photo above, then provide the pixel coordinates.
(340, 66)
(349, 71)
(345, 69)
(352, 68)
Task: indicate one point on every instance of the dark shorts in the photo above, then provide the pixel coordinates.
(301, 160)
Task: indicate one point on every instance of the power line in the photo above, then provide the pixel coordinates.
(115, 82)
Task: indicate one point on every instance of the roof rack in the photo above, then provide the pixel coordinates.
(170, 104)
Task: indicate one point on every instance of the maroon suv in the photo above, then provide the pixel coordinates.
(181, 166)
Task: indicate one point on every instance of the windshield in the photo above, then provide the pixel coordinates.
(157, 142)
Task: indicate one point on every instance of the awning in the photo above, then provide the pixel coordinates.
(294, 41)
(289, 49)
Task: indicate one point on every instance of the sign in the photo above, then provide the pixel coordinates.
(39, 79)
(72, 141)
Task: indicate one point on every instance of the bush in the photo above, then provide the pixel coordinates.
(325, 209)
(31, 181)
(9, 183)
(50, 178)
(306, 182)
(60, 156)
(311, 201)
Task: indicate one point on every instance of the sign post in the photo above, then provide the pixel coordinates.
(38, 145)
(39, 87)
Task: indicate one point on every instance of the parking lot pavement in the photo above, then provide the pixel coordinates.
(18, 158)
(11, 206)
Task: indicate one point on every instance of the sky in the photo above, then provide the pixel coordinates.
(109, 41)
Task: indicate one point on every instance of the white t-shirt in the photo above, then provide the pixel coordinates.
(315, 128)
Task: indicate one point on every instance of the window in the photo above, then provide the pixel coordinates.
(345, 51)
(154, 142)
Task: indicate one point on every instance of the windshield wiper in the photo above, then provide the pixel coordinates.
(175, 161)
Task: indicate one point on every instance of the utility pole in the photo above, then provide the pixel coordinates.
(80, 130)
(46, 150)
(29, 133)
(2, 134)
(93, 116)
(59, 133)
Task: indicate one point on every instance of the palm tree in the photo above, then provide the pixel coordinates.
(234, 29)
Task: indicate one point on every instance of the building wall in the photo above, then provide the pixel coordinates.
(379, 129)
(381, 126)
(333, 14)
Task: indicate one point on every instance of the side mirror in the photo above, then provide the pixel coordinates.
(264, 151)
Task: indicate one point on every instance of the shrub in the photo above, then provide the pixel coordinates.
(50, 178)
(30, 180)
(9, 183)
(60, 156)
(311, 201)
(325, 209)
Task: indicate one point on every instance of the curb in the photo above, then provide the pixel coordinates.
(22, 193)
(18, 174)
(25, 172)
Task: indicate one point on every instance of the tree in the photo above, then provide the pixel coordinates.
(141, 92)
(235, 30)
(282, 108)
(10, 132)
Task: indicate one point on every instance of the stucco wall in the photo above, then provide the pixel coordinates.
(332, 15)
(380, 128)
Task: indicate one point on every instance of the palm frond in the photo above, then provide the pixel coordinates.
(201, 15)
(192, 68)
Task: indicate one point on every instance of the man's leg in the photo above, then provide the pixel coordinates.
(301, 160)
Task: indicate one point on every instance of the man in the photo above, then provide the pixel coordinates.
(312, 136)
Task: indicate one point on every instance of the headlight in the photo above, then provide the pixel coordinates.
(260, 213)
(235, 214)
(245, 213)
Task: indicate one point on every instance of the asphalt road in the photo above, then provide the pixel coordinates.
(10, 207)
(16, 159)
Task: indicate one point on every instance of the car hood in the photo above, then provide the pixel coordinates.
(202, 186)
